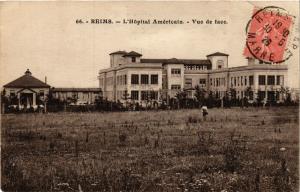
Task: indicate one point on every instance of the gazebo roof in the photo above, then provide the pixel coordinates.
(27, 81)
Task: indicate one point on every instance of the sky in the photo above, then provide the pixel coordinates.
(44, 36)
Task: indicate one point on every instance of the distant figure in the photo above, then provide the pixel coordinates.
(204, 111)
(264, 102)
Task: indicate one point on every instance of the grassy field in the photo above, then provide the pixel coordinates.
(232, 150)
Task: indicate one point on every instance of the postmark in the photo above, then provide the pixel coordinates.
(270, 35)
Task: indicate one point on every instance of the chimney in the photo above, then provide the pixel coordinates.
(46, 79)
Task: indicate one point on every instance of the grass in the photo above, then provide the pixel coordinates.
(233, 150)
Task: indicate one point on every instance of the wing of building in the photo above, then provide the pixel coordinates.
(82, 95)
(131, 77)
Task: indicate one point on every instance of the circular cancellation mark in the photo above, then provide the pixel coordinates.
(270, 38)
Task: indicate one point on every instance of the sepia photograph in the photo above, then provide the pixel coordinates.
(175, 96)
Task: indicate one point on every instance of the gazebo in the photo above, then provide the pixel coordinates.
(27, 89)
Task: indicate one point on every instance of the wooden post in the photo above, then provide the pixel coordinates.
(45, 107)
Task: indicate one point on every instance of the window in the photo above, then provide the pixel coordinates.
(144, 79)
(211, 82)
(133, 59)
(154, 95)
(188, 83)
(175, 71)
(144, 95)
(245, 81)
(154, 79)
(202, 81)
(135, 95)
(251, 80)
(261, 79)
(271, 80)
(261, 95)
(125, 79)
(234, 81)
(242, 81)
(220, 63)
(279, 80)
(175, 87)
(134, 79)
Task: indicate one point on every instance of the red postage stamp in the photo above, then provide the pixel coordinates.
(268, 33)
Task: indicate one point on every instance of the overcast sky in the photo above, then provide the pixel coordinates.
(44, 37)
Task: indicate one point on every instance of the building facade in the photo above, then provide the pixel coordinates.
(81, 95)
(131, 77)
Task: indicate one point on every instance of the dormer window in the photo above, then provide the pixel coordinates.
(133, 59)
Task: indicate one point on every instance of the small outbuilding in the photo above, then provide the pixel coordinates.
(26, 90)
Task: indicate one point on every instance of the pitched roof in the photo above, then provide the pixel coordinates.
(118, 52)
(217, 54)
(64, 89)
(27, 81)
(132, 53)
(181, 61)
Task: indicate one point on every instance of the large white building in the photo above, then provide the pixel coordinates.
(132, 77)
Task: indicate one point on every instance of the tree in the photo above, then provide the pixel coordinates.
(125, 97)
(286, 93)
(226, 100)
(232, 93)
(211, 101)
(181, 97)
(200, 95)
(259, 98)
(248, 91)
(233, 99)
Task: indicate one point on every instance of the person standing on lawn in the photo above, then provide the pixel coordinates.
(204, 112)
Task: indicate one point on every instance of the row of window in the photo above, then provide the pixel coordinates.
(135, 79)
(195, 67)
(176, 71)
(241, 81)
(175, 87)
(145, 95)
(216, 82)
(238, 94)
(270, 95)
(189, 84)
(270, 80)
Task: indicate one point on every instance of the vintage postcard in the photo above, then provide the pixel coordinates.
(149, 96)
